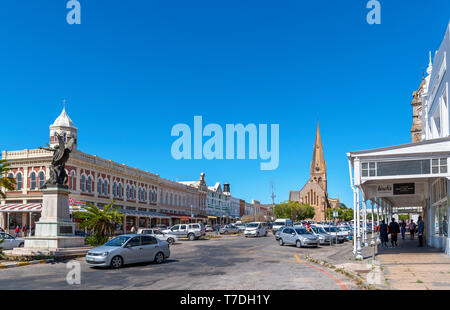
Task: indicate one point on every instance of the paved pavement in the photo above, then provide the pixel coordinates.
(408, 267)
(228, 263)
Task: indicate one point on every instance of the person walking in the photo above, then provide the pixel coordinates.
(24, 230)
(420, 230)
(17, 231)
(412, 229)
(403, 229)
(133, 230)
(383, 230)
(394, 229)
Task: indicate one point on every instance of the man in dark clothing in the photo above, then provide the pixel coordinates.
(383, 229)
(420, 230)
(394, 229)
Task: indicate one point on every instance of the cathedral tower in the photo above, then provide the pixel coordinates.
(318, 173)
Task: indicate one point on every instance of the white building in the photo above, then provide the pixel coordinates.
(414, 175)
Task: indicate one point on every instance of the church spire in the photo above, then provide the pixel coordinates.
(318, 164)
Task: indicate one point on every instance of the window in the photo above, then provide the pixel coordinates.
(133, 193)
(106, 188)
(441, 220)
(439, 165)
(146, 240)
(120, 190)
(83, 184)
(136, 241)
(99, 186)
(33, 180)
(368, 169)
(19, 181)
(128, 191)
(41, 177)
(72, 180)
(89, 184)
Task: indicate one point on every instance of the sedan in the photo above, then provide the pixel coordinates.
(229, 229)
(298, 236)
(324, 237)
(171, 239)
(128, 249)
(9, 242)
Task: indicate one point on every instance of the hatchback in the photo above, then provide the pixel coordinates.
(298, 236)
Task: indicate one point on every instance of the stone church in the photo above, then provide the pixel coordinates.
(314, 193)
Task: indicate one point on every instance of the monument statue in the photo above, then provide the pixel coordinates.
(61, 153)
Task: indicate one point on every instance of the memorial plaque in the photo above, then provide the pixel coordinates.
(405, 189)
(65, 230)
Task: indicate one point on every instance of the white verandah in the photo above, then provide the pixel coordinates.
(402, 179)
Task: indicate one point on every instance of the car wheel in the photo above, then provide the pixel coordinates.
(265, 235)
(116, 262)
(159, 257)
(298, 244)
(281, 242)
(21, 245)
(191, 237)
(170, 241)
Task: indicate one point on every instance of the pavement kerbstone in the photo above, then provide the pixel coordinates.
(20, 264)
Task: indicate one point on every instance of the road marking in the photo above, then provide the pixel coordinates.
(323, 271)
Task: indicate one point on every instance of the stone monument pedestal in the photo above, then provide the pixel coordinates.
(55, 229)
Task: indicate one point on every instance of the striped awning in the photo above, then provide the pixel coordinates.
(21, 207)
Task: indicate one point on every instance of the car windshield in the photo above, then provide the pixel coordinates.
(331, 229)
(279, 223)
(302, 231)
(318, 230)
(252, 225)
(118, 241)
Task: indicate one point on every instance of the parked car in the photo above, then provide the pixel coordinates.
(209, 228)
(10, 242)
(277, 234)
(161, 227)
(191, 231)
(229, 229)
(324, 237)
(256, 229)
(241, 227)
(298, 236)
(333, 231)
(128, 249)
(170, 238)
(280, 223)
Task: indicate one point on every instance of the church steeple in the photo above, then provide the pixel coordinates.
(318, 172)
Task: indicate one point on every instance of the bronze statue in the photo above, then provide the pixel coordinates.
(61, 153)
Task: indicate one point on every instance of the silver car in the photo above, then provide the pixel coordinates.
(298, 236)
(171, 239)
(9, 242)
(324, 237)
(128, 249)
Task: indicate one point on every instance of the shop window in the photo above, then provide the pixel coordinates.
(441, 220)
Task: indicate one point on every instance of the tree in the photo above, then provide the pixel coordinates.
(101, 222)
(294, 211)
(5, 181)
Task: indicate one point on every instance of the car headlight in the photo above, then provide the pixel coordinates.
(104, 254)
(321, 238)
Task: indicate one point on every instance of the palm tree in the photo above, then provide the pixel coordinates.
(5, 181)
(101, 222)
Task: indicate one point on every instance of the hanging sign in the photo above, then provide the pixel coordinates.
(385, 190)
(405, 189)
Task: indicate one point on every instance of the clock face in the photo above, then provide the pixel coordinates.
(317, 168)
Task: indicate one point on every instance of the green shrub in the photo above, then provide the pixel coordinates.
(96, 240)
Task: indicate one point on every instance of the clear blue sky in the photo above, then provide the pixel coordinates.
(133, 69)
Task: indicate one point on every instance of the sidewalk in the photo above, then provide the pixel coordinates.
(408, 267)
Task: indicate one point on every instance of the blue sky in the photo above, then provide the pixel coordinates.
(133, 69)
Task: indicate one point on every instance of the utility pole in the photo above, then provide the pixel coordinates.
(273, 195)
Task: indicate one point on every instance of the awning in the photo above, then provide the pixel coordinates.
(21, 207)
(143, 213)
(212, 217)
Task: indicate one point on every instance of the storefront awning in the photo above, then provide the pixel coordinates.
(21, 207)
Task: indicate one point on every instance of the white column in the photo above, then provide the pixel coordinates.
(365, 221)
(372, 240)
(355, 206)
(358, 238)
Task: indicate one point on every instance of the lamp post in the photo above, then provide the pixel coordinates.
(358, 237)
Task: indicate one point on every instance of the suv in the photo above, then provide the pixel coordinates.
(256, 229)
(191, 231)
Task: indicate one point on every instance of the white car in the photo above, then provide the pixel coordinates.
(170, 238)
(280, 223)
(9, 242)
(256, 229)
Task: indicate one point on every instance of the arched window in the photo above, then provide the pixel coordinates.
(19, 181)
(167, 198)
(171, 199)
(72, 180)
(32, 180)
(106, 188)
(99, 186)
(83, 183)
(133, 192)
(128, 191)
(41, 177)
(115, 189)
(120, 190)
(89, 184)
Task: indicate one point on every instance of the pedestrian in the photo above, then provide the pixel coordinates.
(420, 230)
(394, 229)
(403, 229)
(383, 230)
(217, 229)
(17, 231)
(133, 230)
(412, 229)
(24, 230)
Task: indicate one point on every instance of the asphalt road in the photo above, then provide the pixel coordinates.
(230, 263)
